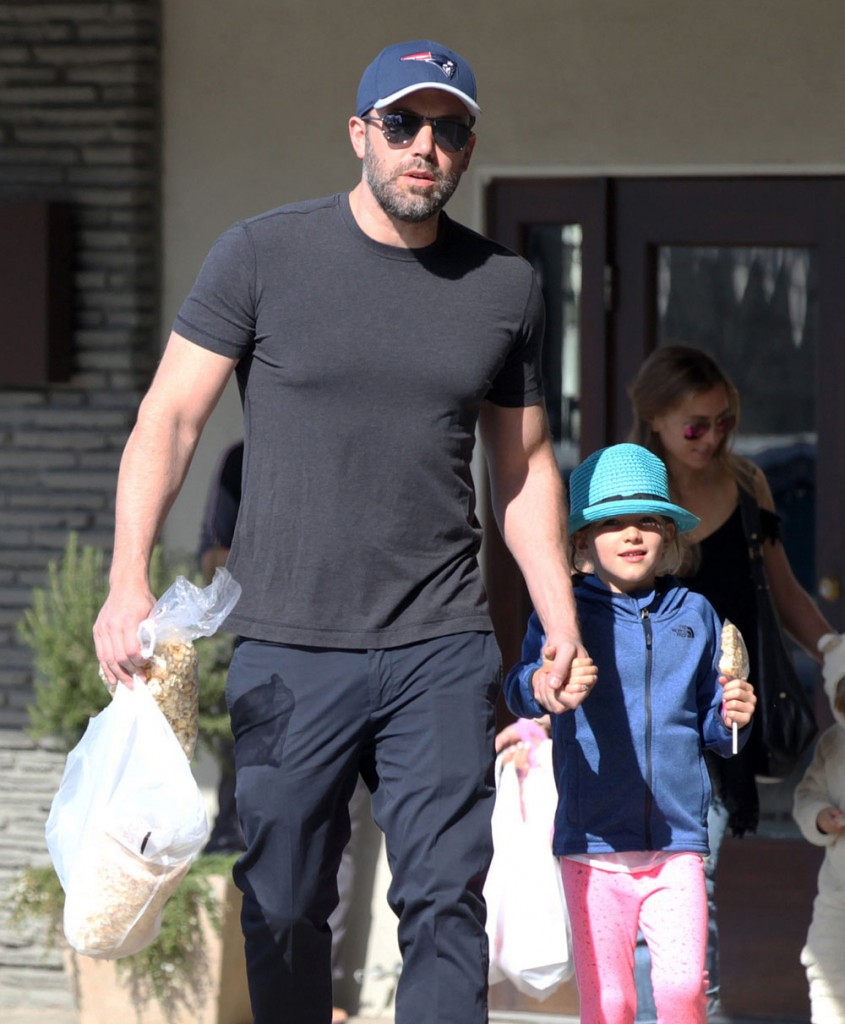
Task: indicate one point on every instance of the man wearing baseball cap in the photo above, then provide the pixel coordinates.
(371, 336)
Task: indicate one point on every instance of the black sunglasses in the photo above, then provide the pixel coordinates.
(401, 128)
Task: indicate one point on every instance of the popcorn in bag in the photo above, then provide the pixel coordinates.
(183, 613)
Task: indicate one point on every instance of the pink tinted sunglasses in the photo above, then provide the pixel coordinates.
(721, 424)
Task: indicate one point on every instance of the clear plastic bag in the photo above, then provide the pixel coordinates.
(124, 826)
(183, 613)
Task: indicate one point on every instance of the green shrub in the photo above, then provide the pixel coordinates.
(57, 627)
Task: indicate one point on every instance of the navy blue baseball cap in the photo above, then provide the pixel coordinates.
(404, 68)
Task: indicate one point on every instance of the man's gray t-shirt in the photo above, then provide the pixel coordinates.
(362, 371)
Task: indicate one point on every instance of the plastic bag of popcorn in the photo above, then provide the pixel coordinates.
(124, 826)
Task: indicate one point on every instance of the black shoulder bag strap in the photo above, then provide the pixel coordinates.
(784, 717)
(750, 511)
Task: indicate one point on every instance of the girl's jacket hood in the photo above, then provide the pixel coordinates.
(628, 762)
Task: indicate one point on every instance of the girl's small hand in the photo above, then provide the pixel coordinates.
(583, 676)
(830, 820)
(738, 701)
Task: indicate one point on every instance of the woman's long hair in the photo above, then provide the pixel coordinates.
(669, 375)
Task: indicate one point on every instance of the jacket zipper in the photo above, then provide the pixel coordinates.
(649, 799)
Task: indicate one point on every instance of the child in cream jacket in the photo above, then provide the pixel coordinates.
(819, 809)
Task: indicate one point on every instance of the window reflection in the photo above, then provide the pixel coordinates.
(555, 253)
(755, 309)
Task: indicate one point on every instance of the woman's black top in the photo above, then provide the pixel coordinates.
(724, 578)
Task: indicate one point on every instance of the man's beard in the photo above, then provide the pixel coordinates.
(408, 206)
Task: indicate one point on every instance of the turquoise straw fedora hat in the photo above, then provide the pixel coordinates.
(623, 480)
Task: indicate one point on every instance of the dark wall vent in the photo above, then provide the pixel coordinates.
(36, 293)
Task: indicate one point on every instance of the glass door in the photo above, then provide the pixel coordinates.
(756, 310)
(749, 269)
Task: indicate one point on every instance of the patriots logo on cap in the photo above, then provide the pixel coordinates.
(446, 64)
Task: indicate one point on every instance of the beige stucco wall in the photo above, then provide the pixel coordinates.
(257, 94)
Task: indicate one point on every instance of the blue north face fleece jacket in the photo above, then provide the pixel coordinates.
(628, 762)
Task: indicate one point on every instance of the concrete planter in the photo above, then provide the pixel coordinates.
(105, 995)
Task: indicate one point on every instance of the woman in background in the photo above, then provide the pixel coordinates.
(686, 411)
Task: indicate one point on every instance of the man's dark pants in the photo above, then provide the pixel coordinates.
(419, 723)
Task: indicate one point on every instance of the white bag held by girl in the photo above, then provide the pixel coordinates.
(527, 921)
(124, 826)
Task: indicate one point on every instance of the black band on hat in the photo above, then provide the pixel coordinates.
(633, 497)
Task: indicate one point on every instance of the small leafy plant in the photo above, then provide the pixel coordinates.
(57, 628)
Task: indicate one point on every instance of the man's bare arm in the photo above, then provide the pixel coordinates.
(528, 501)
(186, 388)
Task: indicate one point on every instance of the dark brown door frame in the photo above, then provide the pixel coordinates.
(511, 209)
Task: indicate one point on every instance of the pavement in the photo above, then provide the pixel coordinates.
(41, 1016)
(28, 1015)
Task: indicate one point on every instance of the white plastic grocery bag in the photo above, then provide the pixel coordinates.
(124, 826)
(527, 920)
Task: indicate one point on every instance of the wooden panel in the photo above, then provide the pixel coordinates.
(764, 891)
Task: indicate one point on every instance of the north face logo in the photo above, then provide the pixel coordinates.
(685, 631)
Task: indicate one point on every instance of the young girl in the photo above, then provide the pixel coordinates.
(631, 822)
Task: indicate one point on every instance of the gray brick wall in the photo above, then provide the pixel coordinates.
(79, 124)
(31, 969)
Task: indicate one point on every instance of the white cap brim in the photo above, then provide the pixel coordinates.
(470, 104)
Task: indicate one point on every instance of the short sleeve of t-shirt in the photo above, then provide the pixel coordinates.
(219, 313)
(520, 381)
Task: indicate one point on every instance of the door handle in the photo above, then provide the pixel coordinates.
(830, 588)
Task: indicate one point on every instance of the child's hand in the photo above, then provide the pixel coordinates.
(583, 676)
(527, 732)
(518, 741)
(831, 821)
(738, 701)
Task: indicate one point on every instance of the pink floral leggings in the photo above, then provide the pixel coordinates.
(669, 905)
